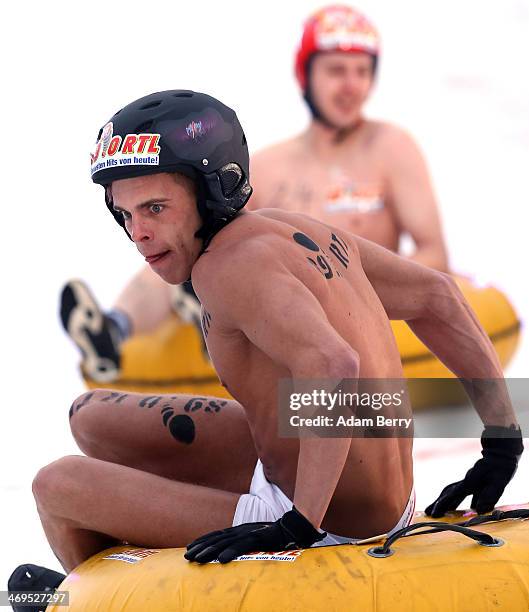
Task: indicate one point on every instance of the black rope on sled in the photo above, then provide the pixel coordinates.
(496, 515)
(463, 528)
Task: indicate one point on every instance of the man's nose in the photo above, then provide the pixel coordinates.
(139, 230)
(352, 80)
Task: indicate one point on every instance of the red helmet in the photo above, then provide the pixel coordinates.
(335, 28)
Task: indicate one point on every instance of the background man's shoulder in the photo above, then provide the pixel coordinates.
(271, 169)
(278, 152)
(385, 134)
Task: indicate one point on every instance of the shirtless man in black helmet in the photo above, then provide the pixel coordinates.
(283, 297)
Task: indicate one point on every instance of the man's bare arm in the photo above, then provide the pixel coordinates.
(437, 312)
(281, 317)
(413, 200)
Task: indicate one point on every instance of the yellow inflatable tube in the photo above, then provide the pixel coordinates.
(172, 359)
(496, 315)
(441, 572)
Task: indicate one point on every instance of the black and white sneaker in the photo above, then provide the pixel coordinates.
(95, 334)
(30, 578)
(185, 303)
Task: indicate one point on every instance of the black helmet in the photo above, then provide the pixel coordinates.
(179, 131)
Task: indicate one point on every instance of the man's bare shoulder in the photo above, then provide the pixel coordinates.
(301, 221)
(285, 216)
(278, 152)
(242, 257)
(389, 137)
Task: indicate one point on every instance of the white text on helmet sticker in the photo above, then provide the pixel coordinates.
(133, 150)
(345, 29)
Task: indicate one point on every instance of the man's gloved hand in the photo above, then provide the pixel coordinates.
(291, 531)
(486, 481)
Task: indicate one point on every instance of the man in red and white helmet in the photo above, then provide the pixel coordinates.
(366, 176)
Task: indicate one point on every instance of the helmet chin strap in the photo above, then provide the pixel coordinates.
(315, 111)
(341, 133)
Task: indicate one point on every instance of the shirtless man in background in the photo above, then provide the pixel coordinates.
(283, 297)
(366, 177)
(363, 176)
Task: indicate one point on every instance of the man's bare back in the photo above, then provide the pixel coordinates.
(311, 270)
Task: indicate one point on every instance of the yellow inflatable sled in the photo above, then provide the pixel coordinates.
(443, 571)
(172, 359)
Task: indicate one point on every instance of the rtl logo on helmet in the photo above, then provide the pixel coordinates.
(132, 150)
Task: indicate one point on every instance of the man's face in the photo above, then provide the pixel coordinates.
(161, 216)
(340, 83)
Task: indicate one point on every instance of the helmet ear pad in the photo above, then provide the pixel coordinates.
(220, 196)
(230, 177)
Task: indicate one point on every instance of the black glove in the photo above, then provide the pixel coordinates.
(291, 531)
(486, 481)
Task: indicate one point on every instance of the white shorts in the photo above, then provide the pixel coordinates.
(266, 502)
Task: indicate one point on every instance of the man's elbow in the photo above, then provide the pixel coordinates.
(445, 295)
(338, 361)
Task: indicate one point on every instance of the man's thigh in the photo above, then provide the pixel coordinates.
(128, 504)
(190, 438)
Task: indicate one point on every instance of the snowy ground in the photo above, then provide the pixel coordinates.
(452, 73)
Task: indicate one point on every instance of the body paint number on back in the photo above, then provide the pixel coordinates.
(321, 262)
(339, 249)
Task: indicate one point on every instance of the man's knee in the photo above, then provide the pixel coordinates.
(54, 481)
(82, 402)
(84, 420)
